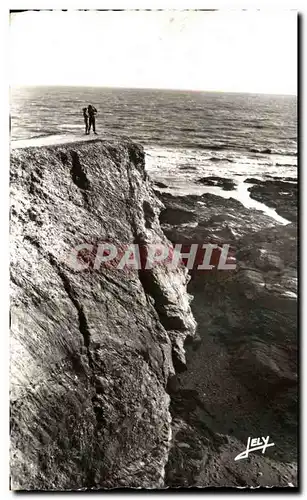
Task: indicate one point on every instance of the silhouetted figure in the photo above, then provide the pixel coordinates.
(92, 119)
(85, 116)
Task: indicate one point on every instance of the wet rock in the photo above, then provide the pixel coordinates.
(277, 194)
(209, 218)
(223, 182)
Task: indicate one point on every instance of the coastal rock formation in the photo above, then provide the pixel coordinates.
(93, 350)
(278, 193)
(102, 395)
(241, 377)
(209, 218)
(225, 184)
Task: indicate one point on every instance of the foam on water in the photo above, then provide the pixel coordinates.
(181, 169)
(243, 195)
(240, 193)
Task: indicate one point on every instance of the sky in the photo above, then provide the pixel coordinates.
(234, 51)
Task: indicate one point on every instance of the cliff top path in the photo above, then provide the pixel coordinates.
(57, 139)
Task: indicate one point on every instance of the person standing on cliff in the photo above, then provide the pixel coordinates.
(92, 118)
(85, 116)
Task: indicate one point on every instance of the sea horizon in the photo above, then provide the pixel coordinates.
(205, 91)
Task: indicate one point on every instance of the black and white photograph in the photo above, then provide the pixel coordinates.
(153, 250)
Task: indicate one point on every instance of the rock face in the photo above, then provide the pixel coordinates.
(92, 351)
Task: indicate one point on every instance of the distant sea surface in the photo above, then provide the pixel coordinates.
(186, 134)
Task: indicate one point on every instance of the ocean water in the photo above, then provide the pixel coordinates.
(186, 135)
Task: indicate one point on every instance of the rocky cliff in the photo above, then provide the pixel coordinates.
(93, 351)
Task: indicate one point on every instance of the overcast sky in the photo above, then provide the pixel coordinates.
(237, 51)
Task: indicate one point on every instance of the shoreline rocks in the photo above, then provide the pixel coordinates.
(241, 377)
(278, 194)
(223, 182)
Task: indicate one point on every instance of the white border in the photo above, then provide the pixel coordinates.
(5, 6)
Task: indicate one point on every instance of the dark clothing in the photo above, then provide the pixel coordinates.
(86, 124)
(85, 116)
(91, 110)
(92, 120)
(92, 123)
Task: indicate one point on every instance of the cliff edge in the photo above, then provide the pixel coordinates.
(92, 350)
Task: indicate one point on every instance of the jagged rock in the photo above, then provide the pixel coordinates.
(91, 350)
